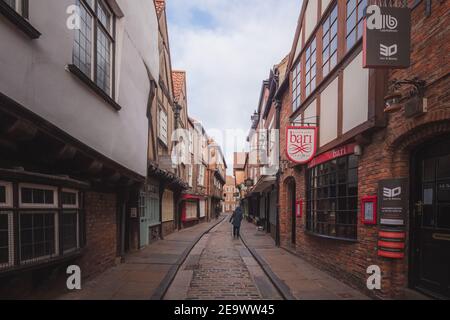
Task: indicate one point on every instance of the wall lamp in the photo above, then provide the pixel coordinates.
(393, 101)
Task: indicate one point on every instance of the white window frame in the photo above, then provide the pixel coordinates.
(71, 206)
(77, 234)
(161, 129)
(10, 240)
(201, 175)
(191, 175)
(56, 222)
(9, 195)
(38, 205)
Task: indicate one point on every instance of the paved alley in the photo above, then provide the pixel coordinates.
(221, 268)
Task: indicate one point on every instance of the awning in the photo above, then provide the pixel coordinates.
(264, 183)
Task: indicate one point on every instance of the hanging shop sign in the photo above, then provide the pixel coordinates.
(301, 144)
(393, 201)
(333, 154)
(387, 37)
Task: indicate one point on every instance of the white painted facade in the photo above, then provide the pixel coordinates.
(34, 74)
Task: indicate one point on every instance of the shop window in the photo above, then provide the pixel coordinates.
(191, 210)
(38, 235)
(332, 198)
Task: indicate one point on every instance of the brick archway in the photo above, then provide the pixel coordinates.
(290, 186)
(406, 139)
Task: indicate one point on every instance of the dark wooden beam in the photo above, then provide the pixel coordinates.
(22, 130)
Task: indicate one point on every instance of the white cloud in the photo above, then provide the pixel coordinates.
(227, 50)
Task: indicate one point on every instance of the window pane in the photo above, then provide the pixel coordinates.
(37, 235)
(2, 194)
(37, 196)
(82, 46)
(69, 198)
(4, 239)
(104, 15)
(103, 61)
(351, 5)
(69, 226)
(332, 208)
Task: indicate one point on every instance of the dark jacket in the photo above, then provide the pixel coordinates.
(236, 218)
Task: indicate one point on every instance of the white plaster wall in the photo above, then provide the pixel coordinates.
(33, 73)
(310, 113)
(325, 4)
(310, 17)
(356, 92)
(329, 113)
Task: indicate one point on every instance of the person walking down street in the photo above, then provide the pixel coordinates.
(236, 219)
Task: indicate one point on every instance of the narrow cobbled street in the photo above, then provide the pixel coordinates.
(220, 267)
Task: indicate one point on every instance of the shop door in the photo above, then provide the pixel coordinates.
(431, 223)
(149, 215)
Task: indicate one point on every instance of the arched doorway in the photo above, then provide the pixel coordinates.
(290, 205)
(430, 217)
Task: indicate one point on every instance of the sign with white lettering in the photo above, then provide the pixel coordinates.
(387, 37)
(301, 144)
(393, 198)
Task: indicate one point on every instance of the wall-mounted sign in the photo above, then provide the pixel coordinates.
(299, 208)
(333, 154)
(387, 37)
(369, 210)
(393, 201)
(301, 144)
(133, 212)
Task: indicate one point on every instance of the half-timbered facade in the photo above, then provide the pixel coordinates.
(359, 145)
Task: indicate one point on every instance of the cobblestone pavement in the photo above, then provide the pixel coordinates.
(220, 268)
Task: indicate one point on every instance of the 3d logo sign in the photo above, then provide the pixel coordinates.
(301, 144)
(387, 37)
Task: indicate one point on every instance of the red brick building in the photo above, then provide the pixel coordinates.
(359, 146)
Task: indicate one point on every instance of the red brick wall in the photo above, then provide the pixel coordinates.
(101, 233)
(386, 156)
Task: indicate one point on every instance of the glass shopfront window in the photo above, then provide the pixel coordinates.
(332, 198)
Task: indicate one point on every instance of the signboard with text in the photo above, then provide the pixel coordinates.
(393, 201)
(387, 37)
(301, 144)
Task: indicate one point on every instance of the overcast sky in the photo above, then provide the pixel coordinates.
(227, 48)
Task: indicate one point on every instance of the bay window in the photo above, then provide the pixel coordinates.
(40, 224)
(332, 198)
(94, 42)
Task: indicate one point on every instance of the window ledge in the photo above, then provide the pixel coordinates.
(317, 235)
(190, 219)
(91, 84)
(41, 264)
(19, 21)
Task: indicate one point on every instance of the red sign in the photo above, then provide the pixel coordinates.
(301, 144)
(299, 208)
(333, 154)
(369, 210)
